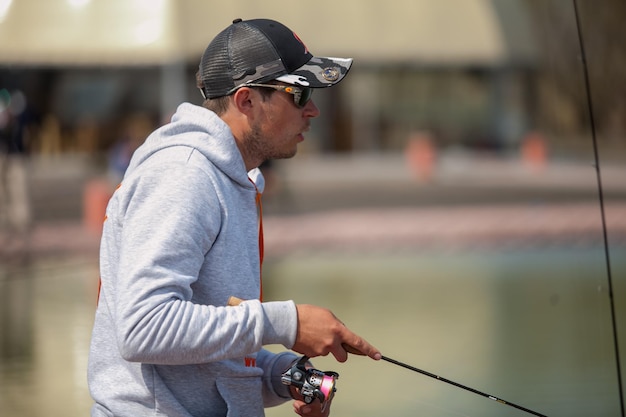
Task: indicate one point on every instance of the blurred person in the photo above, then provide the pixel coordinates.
(183, 234)
(15, 207)
(50, 141)
(135, 129)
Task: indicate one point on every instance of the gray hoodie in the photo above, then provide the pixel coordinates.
(180, 238)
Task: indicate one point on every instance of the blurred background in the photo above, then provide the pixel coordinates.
(445, 205)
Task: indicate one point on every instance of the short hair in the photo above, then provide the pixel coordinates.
(217, 105)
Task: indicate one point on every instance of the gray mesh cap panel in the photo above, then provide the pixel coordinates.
(238, 54)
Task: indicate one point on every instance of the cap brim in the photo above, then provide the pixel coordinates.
(319, 72)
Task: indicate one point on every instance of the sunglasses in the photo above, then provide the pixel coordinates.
(301, 95)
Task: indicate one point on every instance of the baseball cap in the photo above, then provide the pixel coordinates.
(261, 50)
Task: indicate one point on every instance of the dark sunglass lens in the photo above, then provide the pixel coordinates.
(305, 96)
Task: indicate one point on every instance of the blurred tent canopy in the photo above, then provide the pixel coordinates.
(155, 32)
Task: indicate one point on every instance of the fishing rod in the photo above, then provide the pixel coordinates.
(465, 387)
(355, 351)
(601, 200)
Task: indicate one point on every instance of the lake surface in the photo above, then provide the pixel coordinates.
(532, 327)
(46, 314)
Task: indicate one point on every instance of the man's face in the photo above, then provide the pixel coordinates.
(280, 127)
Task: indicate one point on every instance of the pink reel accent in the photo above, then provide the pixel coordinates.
(327, 386)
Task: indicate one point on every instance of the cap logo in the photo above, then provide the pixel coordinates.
(331, 73)
(306, 50)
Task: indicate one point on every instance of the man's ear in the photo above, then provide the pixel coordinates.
(243, 99)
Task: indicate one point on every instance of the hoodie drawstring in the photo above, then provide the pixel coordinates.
(259, 207)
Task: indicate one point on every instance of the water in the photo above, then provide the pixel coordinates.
(532, 327)
(46, 314)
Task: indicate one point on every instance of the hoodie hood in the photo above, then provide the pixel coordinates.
(201, 129)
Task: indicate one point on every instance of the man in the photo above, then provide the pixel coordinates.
(181, 238)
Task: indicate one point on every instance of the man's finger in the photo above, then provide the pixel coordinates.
(356, 351)
(340, 354)
(352, 349)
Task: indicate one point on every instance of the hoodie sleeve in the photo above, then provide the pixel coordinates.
(273, 365)
(152, 262)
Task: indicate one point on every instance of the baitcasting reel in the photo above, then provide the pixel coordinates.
(311, 383)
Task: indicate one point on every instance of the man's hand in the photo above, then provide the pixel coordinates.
(311, 410)
(321, 333)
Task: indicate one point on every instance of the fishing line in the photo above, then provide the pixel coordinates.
(456, 384)
(601, 199)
